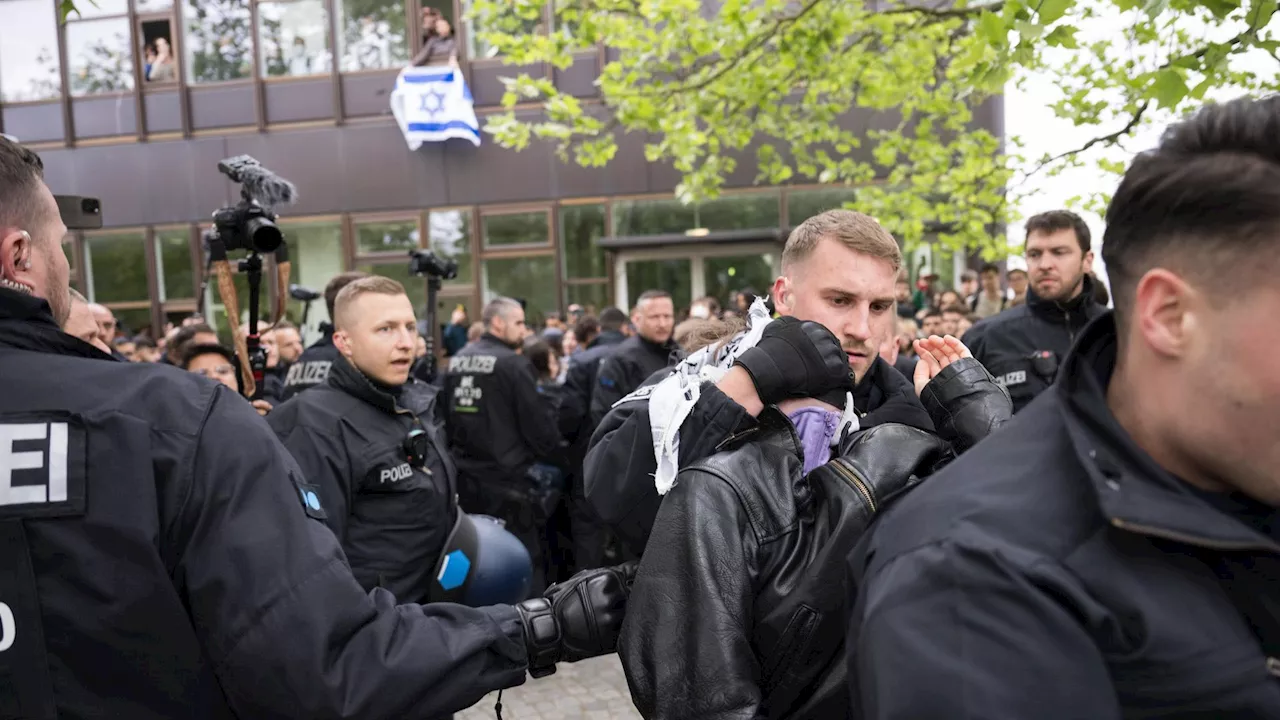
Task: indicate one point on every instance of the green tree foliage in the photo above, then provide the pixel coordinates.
(712, 84)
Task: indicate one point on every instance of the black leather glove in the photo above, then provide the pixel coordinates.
(882, 462)
(966, 403)
(797, 359)
(577, 619)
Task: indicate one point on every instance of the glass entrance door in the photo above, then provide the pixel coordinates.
(695, 271)
(675, 275)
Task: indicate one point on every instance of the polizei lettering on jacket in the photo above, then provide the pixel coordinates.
(1017, 377)
(36, 439)
(474, 364)
(395, 474)
(308, 373)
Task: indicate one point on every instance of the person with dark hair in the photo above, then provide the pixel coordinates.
(1112, 552)
(931, 321)
(145, 349)
(990, 298)
(1024, 345)
(186, 336)
(162, 556)
(639, 356)
(312, 366)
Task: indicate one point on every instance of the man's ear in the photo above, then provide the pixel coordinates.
(342, 341)
(783, 295)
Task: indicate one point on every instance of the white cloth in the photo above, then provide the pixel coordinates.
(671, 400)
(433, 104)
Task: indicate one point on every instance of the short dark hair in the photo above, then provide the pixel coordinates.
(539, 353)
(185, 335)
(1056, 220)
(612, 319)
(586, 327)
(196, 351)
(336, 283)
(931, 312)
(143, 341)
(1204, 201)
(652, 295)
(21, 175)
(956, 308)
(990, 268)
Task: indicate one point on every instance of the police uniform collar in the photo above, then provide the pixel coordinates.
(497, 340)
(885, 396)
(345, 376)
(27, 323)
(1133, 491)
(1058, 312)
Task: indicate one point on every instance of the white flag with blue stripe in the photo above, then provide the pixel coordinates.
(433, 104)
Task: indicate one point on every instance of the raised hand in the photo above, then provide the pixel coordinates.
(936, 353)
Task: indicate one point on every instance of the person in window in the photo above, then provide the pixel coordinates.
(149, 59)
(299, 60)
(440, 47)
(163, 68)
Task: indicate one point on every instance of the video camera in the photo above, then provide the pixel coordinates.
(425, 262)
(250, 224)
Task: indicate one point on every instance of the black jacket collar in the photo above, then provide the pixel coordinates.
(492, 339)
(326, 337)
(1075, 312)
(345, 376)
(26, 323)
(1133, 491)
(607, 337)
(885, 396)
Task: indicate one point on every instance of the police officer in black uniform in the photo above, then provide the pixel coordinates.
(313, 365)
(1023, 346)
(370, 439)
(499, 426)
(639, 356)
(161, 555)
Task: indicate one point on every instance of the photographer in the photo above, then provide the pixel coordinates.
(163, 556)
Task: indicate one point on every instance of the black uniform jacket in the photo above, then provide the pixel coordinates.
(620, 463)
(1024, 346)
(580, 382)
(625, 369)
(737, 611)
(164, 558)
(312, 366)
(391, 512)
(1056, 571)
(498, 423)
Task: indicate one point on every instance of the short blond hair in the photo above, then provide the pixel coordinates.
(371, 285)
(856, 231)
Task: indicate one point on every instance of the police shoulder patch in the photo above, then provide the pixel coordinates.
(310, 497)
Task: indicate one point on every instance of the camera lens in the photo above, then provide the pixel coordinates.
(264, 234)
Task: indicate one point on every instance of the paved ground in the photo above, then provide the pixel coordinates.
(589, 690)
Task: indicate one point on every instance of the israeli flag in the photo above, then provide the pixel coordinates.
(433, 104)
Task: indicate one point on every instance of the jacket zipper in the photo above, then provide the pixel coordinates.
(1187, 539)
(856, 482)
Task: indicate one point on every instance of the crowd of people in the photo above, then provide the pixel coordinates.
(799, 506)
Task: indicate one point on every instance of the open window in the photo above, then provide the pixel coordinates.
(159, 62)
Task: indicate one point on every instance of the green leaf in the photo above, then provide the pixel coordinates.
(1198, 91)
(1153, 8)
(1260, 12)
(1169, 87)
(1221, 8)
(1062, 36)
(993, 29)
(1051, 10)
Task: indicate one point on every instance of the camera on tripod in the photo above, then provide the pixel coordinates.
(425, 262)
(250, 224)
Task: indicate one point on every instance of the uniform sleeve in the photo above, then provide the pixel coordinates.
(619, 466)
(611, 385)
(575, 402)
(686, 641)
(534, 414)
(325, 464)
(976, 341)
(945, 631)
(286, 628)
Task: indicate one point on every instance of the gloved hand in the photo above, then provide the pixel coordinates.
(577, 619)
(797, 359)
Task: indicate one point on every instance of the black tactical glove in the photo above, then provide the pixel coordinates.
(966, 403)
(577, 619)
(797, 359)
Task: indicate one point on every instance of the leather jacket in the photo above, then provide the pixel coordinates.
(738, 608)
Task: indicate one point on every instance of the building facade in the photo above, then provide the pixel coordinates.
(136, 101)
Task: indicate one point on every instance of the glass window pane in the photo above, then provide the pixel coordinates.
(117, 267)
(532, 279)
(158, 63)
(528, 228)
(99, 8)
(747, 211)
(293, 38)
(673, 275)
(219, 44)
(445, 306)
(315, 250)
(450, 234)
(651, 217)
(389, 236)
(581, 227)
(147, 6)
(415, 287)
(173, 253)
(804, 204)
(134, 321)
(725, 276)
(99, 57)
(28, 51)
(593, 298)
(372, 34)
(504, 21)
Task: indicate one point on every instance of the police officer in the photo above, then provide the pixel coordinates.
(1023, 346)
(639, 356)
(312, 366)
(499, 426)
(370, 439)
(161, 555)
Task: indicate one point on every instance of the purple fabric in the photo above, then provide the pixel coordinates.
(815, 427)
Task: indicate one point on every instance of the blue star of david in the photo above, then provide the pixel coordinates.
(432, 102)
